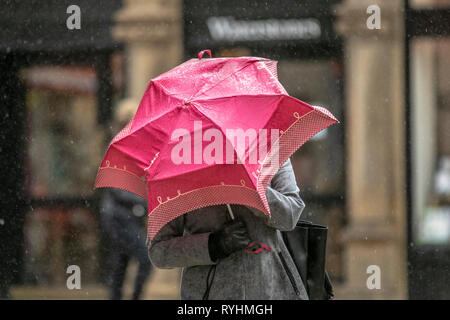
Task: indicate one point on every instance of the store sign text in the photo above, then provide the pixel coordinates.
(230, 29)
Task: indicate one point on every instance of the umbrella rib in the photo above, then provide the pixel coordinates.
(280, 97)
(147, 123)
(221, 80)
(240, 95)
(226, 138)
(163, 89)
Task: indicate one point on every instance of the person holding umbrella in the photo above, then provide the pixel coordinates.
(209, 246)
(211, 212)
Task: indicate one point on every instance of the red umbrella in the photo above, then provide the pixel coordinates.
(209, 132)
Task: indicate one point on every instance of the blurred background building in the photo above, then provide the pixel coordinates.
(380, 180)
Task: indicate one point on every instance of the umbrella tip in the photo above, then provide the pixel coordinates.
(201, 53)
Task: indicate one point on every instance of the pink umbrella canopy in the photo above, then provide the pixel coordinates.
(209, 132)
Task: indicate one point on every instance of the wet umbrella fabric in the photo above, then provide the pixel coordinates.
(210, 131)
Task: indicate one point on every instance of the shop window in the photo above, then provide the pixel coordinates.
(65, 143)
(430, 127)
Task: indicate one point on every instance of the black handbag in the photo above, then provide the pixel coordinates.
(307, 246)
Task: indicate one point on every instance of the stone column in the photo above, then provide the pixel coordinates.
(375, 135)
(151, 31)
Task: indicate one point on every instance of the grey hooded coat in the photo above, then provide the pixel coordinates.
(183, 242)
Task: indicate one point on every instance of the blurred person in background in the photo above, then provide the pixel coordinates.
(123, 217)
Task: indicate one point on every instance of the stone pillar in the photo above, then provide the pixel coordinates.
(151, 31)
(376, 233)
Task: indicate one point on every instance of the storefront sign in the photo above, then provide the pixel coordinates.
(254, 23)
(231, 29)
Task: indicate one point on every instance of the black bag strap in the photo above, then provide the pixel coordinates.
(328, 288)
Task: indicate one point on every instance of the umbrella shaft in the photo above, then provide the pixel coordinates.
(230, 211)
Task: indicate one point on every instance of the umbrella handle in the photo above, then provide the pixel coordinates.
(256, 246)
(230, 211)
